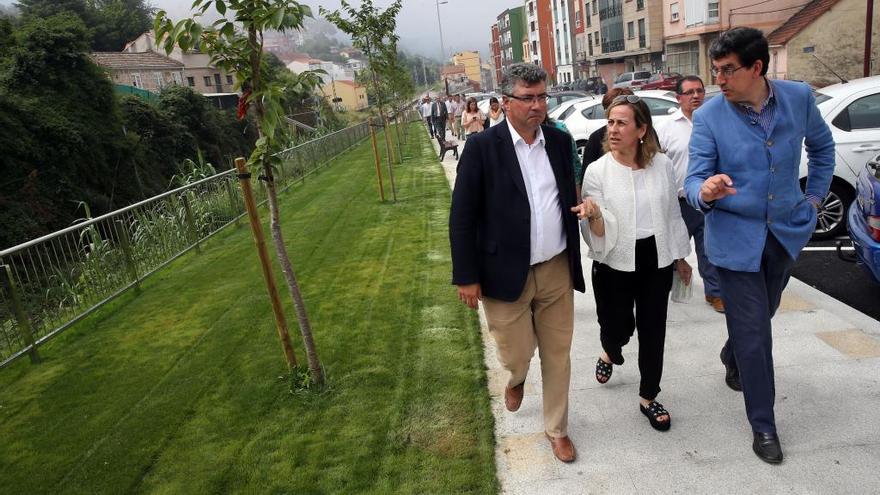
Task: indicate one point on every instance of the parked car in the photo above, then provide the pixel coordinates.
(560, 97)
(852, 111)
(864, 219)
(632, 80)
(591, 85)
(661, 80)
(585, 115)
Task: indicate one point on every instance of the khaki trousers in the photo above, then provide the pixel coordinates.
(542, 317)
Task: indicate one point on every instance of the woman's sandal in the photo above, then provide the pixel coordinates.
(603, 371)
(655, 410)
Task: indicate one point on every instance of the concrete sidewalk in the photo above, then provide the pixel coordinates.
(827, 358)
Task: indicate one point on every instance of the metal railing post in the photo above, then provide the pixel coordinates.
(191, 222)
(25, 329)
(125, 243)
(233, 205)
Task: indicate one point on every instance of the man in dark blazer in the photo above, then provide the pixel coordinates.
(439, 114)
(516, 247)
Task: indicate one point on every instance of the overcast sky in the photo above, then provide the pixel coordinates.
(466, 23)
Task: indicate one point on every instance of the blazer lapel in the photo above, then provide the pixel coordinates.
(507, 154)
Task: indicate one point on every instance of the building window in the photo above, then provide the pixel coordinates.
(136, 80)
(191, 82)
(577, 23)
(596, 38)
(160, 82)
(177, 78)
(228, 79)
(208, 81)
(642, 33)
(590, 43)
(712, 12)
(673, 12)
(630, 30)
(640, 4)
(532, 26)
(595, 10)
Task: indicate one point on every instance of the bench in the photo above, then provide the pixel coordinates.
(446, 146)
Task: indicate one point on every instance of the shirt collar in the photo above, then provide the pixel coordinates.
(539, 136)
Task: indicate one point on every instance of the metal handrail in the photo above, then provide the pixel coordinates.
(51, 282)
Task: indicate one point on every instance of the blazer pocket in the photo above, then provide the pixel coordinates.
(803, 213)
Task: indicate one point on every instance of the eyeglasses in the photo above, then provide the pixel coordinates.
(727, 71)
(530, 99)
(626, 98)
(693, 92)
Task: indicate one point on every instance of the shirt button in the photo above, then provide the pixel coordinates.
(769, 222)
(772, 170)
(769, 142)
(770, 197)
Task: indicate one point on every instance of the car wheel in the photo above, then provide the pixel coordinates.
(831, 219)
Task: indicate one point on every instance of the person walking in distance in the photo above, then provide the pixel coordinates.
(675, 135)
(745, 153)
(439, 115)
(515, 244)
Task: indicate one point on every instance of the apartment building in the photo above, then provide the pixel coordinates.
(690, 26)
(510, 36)
(539, 22)
(495, 49)
(563, 39)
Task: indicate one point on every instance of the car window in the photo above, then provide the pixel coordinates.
(659, 107)
(565, 113)
(863, 113)
(642, 75)
(820, 97)
(655, 77)
(595, 112)
(568, 97)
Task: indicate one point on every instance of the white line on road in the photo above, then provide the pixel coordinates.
(829, 248)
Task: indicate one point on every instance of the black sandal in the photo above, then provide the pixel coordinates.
(655, 410)
(603, 371)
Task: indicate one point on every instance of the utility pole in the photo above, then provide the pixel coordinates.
(440, 28)
(868, 20)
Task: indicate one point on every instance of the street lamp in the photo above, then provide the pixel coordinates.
(440, 28)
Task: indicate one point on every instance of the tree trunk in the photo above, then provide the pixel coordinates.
(305, 327)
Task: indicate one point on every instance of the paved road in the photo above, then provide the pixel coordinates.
(820, 267)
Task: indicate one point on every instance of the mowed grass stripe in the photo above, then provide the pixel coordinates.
(182, 389)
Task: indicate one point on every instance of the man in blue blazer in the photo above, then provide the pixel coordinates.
(745, 154)
(516, 244)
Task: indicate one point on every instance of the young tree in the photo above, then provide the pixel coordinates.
(372, 32)
(241, 53)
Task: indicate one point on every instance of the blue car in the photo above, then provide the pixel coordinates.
(864, 219)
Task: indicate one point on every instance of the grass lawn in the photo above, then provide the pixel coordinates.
(181, 389)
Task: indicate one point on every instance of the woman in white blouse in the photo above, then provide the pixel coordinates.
(631, 221)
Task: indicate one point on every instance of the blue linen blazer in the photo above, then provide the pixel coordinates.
(764, 172)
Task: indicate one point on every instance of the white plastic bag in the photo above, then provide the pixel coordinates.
(681, 292)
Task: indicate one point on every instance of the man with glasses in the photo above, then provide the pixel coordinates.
(516, 247)
(745, 152)
(674, 136)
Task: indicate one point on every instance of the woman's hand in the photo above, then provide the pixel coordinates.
(684, 271)
(588, 209)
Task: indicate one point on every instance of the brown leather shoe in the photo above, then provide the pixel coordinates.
(716, 303)
(563, 449)
(513, 397)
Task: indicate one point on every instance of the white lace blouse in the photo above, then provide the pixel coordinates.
(611, 185)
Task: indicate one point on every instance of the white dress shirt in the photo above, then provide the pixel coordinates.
(644, 223)
(613, 186)
(426, 109)
(675, 135)
(546, 234)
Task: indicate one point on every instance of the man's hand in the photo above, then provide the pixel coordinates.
(470, 294)
(716, 187)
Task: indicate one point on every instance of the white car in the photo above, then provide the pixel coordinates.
(852, 111)
(585, 115)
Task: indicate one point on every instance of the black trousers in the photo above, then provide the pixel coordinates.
(647, 290)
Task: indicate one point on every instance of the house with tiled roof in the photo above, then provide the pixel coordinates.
(149, 71)
(345, 95)
(199, 73)
(824, 36)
